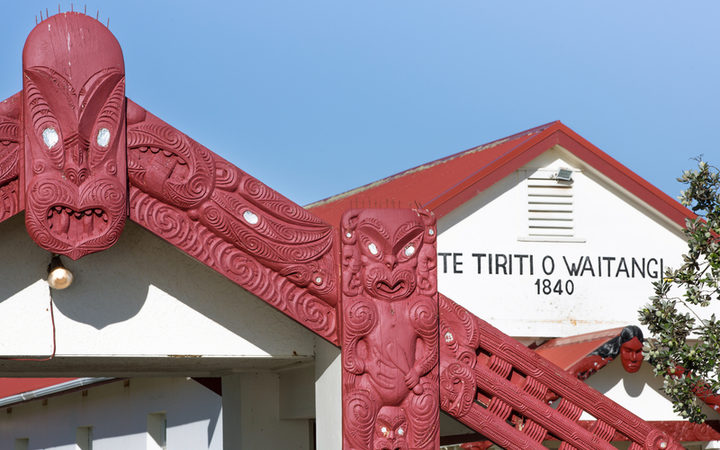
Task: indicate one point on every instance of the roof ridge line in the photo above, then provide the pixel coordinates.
(529, 132)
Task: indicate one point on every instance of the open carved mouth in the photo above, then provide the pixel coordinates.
(173, 166)
(67, 223)
(387, 288)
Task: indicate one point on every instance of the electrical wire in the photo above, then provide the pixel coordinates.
(54, 336)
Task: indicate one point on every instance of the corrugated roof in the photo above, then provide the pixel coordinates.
(446, 183)
(568, 351)
(421, 184)
(15, 386)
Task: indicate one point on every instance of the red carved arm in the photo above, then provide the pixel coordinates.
(233, 223)
(488, 379)
(10, 157)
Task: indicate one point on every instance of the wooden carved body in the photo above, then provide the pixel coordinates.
(389, 330)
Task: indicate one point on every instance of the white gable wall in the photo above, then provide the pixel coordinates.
(142, 298)
(608, 223)
(639, 392)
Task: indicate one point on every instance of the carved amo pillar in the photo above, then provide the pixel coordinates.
(389, 320)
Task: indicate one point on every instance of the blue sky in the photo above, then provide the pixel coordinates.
(317, 97)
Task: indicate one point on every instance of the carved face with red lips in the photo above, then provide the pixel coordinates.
(389, 253)
(74, 130)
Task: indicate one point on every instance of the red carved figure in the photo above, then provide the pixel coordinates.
(74, 133)
(628, 344)
(390, 330)
(631, 355)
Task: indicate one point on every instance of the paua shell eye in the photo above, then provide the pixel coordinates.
(103, 137)
(50, 137)
(409, 250)
(373, 248)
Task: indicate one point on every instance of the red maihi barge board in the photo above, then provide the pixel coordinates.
(79, 158)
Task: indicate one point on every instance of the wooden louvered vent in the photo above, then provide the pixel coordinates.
(550, 206)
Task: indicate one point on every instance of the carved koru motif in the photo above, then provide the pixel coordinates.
(499, 387)
(230, 221)
(74, 131)
(459, 341)
(9, 156)
(389, 330)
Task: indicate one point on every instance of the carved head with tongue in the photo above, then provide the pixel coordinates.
(74, 135)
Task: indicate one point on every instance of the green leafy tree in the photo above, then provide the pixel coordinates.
(684, 347)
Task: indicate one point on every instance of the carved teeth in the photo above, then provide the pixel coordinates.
(67, 223)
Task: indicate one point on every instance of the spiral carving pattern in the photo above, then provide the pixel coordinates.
(517, 379)
(175, 226)
(232, 205)
(359, 411)
(389, 330)
(9, 168)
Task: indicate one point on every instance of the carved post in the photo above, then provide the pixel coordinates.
(389, 330)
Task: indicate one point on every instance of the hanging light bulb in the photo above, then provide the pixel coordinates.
(59, 277)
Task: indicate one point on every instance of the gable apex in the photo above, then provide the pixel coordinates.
(445, 184)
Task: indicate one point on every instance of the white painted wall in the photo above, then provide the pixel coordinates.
(142, 297)
(253, 418)
(328, 395)
(639, 392)
(118, 417)
(608, 223)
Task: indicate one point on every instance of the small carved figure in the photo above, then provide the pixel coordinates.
(390, 330)
(628, 344)
(390, 429)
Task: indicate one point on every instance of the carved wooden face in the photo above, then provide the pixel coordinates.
(390, 429)
(631, 355)
(389, 253)
(74, 131)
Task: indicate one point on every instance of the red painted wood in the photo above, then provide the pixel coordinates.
(389, 330)
(230, 221)
(74, 127)
(10, 189)
(483, 371)
(681, 430)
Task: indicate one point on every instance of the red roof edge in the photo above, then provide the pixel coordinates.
(559, 134)
(529, 133)
(625, 177)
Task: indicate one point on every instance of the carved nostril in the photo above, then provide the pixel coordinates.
(76, 177)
